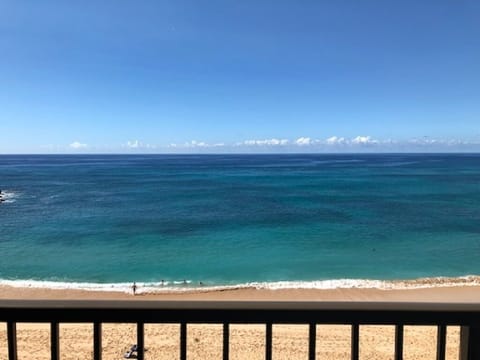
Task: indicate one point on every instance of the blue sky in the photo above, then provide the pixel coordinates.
(239, 76)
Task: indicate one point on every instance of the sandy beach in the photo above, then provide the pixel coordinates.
(247, 341)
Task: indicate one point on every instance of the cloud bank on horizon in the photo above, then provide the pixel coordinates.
(361, 143)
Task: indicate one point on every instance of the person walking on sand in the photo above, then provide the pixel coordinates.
(134, 288)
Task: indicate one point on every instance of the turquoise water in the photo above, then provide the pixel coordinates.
(237, 219)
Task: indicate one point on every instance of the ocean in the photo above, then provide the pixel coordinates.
(184, 222)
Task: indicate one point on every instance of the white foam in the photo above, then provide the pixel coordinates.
(8, 196)
(469, 280)
(183, 286)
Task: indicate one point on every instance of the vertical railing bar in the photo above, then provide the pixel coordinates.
(268, 341)
(441, 341)
(473, 352)
(226, 341)
(399, 342)
(354, 340)
(463, 348)
(97, 341)
(12, 340)
(183, 341)
(469, 342)
(54, 341)
(312, 341)
(140, 340)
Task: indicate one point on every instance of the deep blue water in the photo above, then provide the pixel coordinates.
(230, 219)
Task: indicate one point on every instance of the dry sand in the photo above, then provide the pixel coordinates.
(246, 341)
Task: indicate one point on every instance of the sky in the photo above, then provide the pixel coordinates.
(117, 76)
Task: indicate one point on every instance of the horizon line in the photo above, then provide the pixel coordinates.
(259, 153)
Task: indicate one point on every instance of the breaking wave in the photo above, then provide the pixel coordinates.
(8, 196)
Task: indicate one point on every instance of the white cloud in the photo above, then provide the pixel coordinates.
(335, 140)
(266, 142)
(195, 144)
(364, 140)
(135, 144)
(426, 141)
(422, 141)
(302, 141)
(78, 145)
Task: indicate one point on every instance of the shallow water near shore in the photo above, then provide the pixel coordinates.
(237, 220)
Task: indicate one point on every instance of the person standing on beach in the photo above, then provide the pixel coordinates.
(134, 288)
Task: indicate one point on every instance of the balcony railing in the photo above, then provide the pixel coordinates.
(441, 315)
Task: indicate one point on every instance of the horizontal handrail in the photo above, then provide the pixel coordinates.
(416, 313)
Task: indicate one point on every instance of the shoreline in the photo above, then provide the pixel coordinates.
(190, 286)
(451, 289)
(455, 294)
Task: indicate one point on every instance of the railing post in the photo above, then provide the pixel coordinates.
(354, 339)
(312, 341)
(463, 343)
(441, 341)
(54, 341)
(398, 342)
(12, 340)
(140, 340)
(97, 341)
(268, 341)
(226, 341)
(470, 342)
(183, 341)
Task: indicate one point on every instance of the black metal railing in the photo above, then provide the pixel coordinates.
(441, 315)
